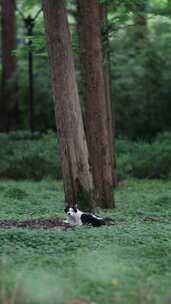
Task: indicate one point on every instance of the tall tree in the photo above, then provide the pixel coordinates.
(169, 7)
(78, 182)
(9, 114)
(103, 9)
(140, 21)
(96, 116)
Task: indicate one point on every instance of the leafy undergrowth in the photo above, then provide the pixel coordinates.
(34, 156)
(127, 263)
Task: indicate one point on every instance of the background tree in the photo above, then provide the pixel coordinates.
(96, 114)
(103, 10)
(140, 23)
(169, 7)
(9, 113)
(76, 171)
(127, 68)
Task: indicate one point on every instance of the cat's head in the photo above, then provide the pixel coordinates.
(73, 214)
(71, 210)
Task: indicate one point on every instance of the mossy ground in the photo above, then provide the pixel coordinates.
(127, 263)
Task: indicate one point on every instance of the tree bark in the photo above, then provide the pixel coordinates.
(9, 113)
(141, 26)
(96, 116)
(108, 83)
(78, 184)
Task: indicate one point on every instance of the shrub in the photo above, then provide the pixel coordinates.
(164, 137)
(152, 161)
(22, 157)
(144, 160)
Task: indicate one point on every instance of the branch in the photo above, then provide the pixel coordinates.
(19, 11)
(37, 14)
(22, 15)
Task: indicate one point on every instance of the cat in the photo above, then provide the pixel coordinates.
(77, 217)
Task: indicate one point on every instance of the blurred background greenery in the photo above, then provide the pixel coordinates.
(140, 67)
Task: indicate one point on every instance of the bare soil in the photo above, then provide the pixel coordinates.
(35, 223)
(46, 223)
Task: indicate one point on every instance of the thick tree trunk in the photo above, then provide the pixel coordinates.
(9, 114)
(78, 182)
(108, 83)
(96, 116)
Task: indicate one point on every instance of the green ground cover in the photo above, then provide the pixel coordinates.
(129, 262)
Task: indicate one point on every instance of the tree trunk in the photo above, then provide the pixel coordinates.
(9, 113)
(169, 7)
(96, 116)
(141, 26)
(77, 176)
(108, 83)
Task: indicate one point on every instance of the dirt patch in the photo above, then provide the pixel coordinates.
(47, 223)
(77, 301)
(35, 223)
(155, 219)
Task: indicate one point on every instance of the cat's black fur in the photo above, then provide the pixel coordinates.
(92, 219)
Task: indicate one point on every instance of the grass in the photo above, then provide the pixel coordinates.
(128, 263)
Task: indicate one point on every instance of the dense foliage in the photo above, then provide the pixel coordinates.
(24, 156)
(141, 76)
(141, 80)
(36, 157)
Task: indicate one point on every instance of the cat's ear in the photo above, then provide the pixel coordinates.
(66, 208)
(75, 208)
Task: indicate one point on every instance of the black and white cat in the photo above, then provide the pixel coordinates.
(77, 217)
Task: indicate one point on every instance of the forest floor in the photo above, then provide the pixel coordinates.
(126, 263)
